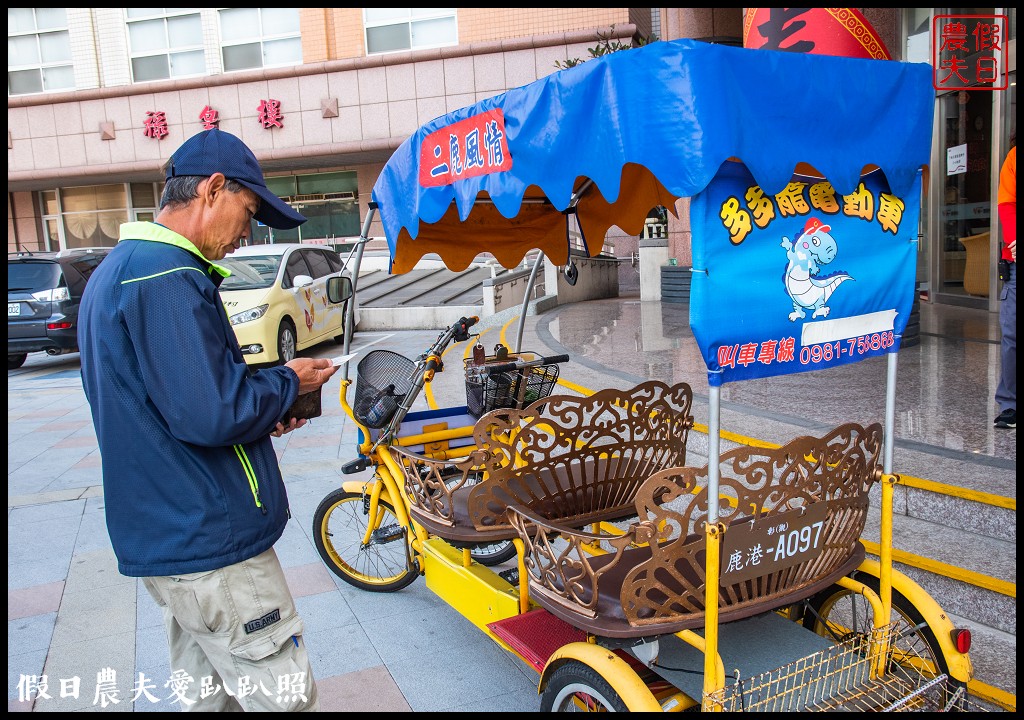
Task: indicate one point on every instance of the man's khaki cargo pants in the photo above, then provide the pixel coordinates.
(235, 639)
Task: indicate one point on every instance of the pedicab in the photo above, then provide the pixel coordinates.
(642, 582)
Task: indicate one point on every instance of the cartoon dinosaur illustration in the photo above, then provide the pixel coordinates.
(813, 247)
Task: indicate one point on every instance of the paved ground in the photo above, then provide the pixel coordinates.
(71, 615)
(73, 618)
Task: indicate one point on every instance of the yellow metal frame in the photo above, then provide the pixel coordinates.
(483, 597)
(475, 591)
(960, 667)
(714, 674)
(938, 622)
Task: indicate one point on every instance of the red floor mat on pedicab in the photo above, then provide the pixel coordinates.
(536, 634)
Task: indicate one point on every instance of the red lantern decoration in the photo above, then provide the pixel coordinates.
(819, 31)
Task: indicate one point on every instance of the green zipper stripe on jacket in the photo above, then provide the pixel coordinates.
(254, 484)
(165, 272)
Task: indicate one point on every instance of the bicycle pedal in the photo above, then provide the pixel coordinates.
(511, 576)
(386, 534)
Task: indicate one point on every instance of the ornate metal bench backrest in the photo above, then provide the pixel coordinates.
(836, 471)
(827, 478)
(579, 459)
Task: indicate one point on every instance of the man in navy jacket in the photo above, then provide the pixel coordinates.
(194, 496)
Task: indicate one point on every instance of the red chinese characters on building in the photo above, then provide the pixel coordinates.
(471, 147)
(155, 125)
(969, 52)
(269, 114)
(209, 118)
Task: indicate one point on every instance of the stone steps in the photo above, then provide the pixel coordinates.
(990, 615)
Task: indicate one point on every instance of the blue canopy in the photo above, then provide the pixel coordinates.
(647, 126)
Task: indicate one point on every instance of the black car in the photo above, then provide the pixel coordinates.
(44, 290)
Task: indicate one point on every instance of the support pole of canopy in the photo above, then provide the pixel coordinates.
(350, 313)
(890, 411)
(888, 489)
(526, 300)
(712, 549)
(536, 265)
(714, 445)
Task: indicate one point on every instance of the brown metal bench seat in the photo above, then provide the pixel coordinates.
(578, 460)
(793, 519)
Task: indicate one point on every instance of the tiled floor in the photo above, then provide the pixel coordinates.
(944, 391)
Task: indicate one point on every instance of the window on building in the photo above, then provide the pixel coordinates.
(165, 43)
(259, 37)
(393, 29)
(145, 200)
(91, 215)
(38, 51)
(329, 201)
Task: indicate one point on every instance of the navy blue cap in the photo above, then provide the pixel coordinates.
(213, 151)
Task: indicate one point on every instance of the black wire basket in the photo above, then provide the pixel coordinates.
(510, 389)
(384, 377)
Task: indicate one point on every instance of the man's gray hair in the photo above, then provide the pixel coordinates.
(183, 189)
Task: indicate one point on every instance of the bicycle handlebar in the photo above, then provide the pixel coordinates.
(460, 329)
(521, 364)
(429, 363)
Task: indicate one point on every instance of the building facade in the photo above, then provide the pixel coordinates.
(98, 98)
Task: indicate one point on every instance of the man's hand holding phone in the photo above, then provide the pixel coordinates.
(312, 374)
(293, 424)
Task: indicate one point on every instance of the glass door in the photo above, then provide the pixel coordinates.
(965, 211)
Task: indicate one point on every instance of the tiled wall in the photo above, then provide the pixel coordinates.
(480, 24)
(380, 100)
(83, 48)
(315, 25)
(112, 46)
(377, 105)
(22, 223)
(348, 33)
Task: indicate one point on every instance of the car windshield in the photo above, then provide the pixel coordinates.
(250, 272)
(28, 276)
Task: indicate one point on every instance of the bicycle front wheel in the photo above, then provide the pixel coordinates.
(339, 526)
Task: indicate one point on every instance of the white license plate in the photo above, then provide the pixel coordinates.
(13, 309)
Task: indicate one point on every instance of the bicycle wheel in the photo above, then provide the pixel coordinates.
(577, 687)
(339, 526)
(839, 613)
(493, 553)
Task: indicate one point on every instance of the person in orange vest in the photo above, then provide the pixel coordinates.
(1006, 391)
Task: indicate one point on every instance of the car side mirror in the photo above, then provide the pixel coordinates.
(301, 281)
(339, 288)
